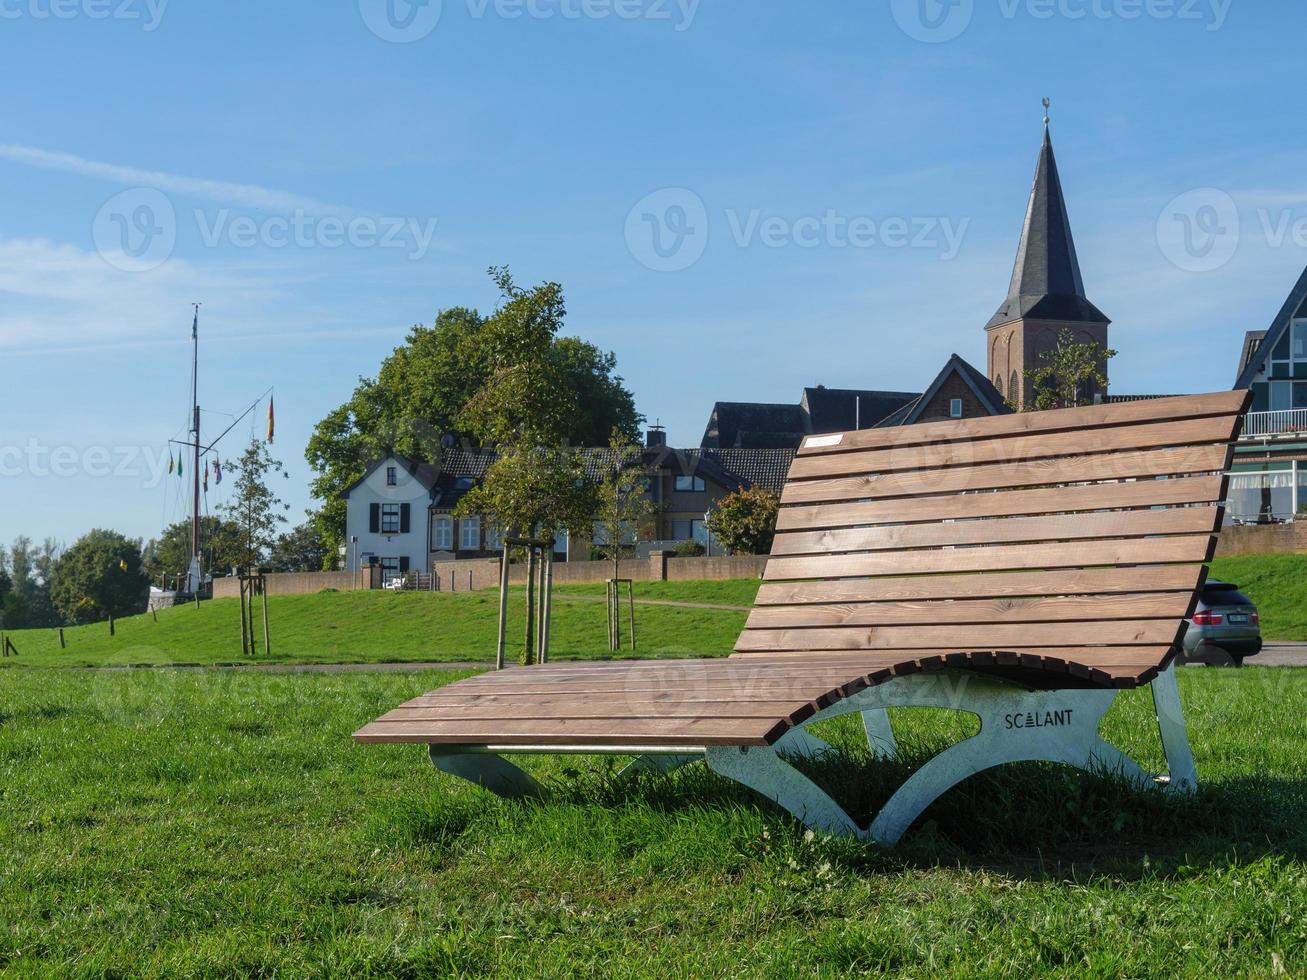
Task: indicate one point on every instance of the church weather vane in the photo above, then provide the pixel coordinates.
(1047, 103)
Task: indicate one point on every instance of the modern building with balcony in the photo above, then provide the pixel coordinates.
(1269, 482)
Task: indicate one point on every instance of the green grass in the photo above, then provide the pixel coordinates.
(727, 592)
(222, 823)
(366, 627)
(1277, 584)
(406, 627)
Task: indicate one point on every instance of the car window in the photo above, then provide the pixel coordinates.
(1225, 597)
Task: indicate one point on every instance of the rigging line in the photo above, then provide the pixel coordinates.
(258, 401)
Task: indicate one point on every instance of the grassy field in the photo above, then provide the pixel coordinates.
(346, 627)
(218, 823)
(363, 627)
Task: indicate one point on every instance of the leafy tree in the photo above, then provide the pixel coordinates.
(1068, 375)
(169, 555)
(623, 511)
(418, 398)
(26, 603)
(745, 521)
(100, 576)
(298, 550)
(254, 507)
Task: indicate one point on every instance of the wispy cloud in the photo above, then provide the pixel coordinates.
(225, 192)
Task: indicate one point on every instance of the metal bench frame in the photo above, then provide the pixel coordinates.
(1016, 725)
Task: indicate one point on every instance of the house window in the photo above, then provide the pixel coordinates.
(469, 534)
(392, 476)
(689, 484)
(494, 538)
(389, 569)
(442, 533)
(1300, 340)
(955, 408)
(682, 530)
(390, 518)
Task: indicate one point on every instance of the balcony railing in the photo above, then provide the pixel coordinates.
(1287, 422)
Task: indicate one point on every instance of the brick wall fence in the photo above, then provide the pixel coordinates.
(295, 583)
(1263, 539)
(483, 573)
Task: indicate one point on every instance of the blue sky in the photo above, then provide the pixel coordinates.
(837, 190)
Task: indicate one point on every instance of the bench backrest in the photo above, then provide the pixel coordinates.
(1081, 527)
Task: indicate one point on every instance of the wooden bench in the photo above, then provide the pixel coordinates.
(1022, 568)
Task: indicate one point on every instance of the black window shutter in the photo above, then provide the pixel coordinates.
(404, 510)
(403, 562)
(374, 518)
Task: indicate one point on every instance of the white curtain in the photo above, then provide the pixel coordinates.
(1276, 480)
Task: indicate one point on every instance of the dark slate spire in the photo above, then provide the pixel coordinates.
(1046, 282)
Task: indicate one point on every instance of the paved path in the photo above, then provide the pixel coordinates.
(655, 602)
(1281, 655)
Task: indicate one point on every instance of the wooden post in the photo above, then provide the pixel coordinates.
(154, 613)
(197, 595)
(245, 638)
(548, 606)
(528, 654)
(111, 633)
(503, 607)
(630, 595)
(62, 645)
(469, 580)
(540, 610)
(4, 645)
(263, 589)
(10, 649)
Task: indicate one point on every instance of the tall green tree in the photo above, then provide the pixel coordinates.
(418, 398)
(169, 555)
(254, 507)
(100, 576)
(298, 550)
(623, 511)
(1068, 375)
(27, 603)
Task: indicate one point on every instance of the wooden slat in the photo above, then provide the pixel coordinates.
(876, 660)
(579, 731)
(1062, 420)
(1091, 581)
(1140, 551)
(1075, 469)
(1013, 449)
(1113, 524)
(992, 636)
(1148, 605)
(791, 710)
(1000, 503)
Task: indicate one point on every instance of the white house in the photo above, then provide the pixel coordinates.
(388, 513)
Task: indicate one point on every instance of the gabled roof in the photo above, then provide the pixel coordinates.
(1046, 281)
(732, 468)
(1254, 361)
(749, 425)
(424, 473)
(846, 409)
(980, 386)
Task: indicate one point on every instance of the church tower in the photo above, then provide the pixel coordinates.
(1046, 296)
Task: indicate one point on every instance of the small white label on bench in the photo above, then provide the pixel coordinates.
(818, 442)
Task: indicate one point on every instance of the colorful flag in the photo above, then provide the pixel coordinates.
(179, 466)
(217, 473)
(195, 326)
(122, 563)
(272, 419)
(172, 465)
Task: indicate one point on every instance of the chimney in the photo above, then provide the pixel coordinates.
(656, 437)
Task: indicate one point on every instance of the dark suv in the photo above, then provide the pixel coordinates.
(1223, 629)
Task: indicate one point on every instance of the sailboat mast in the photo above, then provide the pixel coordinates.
(195, 432)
